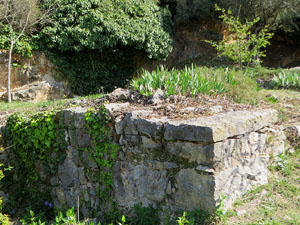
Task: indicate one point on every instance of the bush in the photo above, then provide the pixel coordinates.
(24, 46)
(88, 71)
(92, 43)
(241, 46)
(100, 24)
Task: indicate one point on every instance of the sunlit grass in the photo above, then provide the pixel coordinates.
(194, 80)
(17, 106)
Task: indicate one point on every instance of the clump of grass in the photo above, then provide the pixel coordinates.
(262, 72)
(287, 80)
(194, 80)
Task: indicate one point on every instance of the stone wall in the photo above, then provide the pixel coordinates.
(185, 164)
(178, 164)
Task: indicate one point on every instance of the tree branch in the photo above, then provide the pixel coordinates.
(24, 27)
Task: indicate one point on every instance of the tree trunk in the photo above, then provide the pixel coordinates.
(9, 71)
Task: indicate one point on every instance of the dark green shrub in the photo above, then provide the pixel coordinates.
(144, 216)
(100, 24)
(88, 71)
(92, 42)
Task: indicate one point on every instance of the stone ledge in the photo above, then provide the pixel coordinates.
(219, 127)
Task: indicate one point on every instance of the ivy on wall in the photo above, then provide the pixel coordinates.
(37, 144)
(104, 152)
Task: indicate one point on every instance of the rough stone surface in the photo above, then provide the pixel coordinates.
(157, 97)
(194, 190)
(186, 164)
(35, 81)
(219, 127)
(134, 124)
(120, 94)
(135, 184)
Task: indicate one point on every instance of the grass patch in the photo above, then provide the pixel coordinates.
(194, 80)
(263, 72)
(28, 106)
(17, 106)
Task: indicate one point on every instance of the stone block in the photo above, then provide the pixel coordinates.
(219, 127)
(135, 124)
(139, 184)
(74, 117)
(79, 138)
(194, 191)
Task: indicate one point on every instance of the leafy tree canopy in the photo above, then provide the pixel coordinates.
(108, 24)
(184, 10)
(277, 14)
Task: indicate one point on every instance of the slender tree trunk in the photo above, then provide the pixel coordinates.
(9, 70)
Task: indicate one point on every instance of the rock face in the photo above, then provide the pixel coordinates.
(183, 164)
(35, 80)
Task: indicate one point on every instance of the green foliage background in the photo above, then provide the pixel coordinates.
(277, 14)
(24, 46)
(100, 24)
(92, 42)
(88, 71)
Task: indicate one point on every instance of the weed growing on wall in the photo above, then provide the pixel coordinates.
(36, 144)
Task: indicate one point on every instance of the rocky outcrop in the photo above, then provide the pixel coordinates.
(34, 80)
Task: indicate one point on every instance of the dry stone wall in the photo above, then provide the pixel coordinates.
(177, 164)
(184, 164)
(191, 163)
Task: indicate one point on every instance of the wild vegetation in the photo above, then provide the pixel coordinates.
(92, 43)
(287, 80)
(242, 46)
(194, 80)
